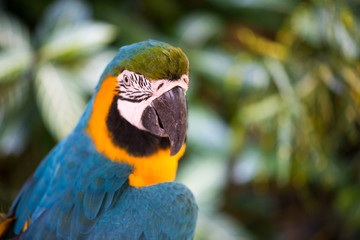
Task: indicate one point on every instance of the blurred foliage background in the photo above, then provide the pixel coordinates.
(274, 120)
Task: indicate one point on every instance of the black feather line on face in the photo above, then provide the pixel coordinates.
(135, 100)
(135, 141)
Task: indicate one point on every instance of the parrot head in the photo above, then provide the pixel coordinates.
(154, 100)
(140, 109)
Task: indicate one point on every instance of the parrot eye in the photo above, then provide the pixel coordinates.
(127, 80)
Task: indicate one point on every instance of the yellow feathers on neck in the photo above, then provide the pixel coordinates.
(157, 168)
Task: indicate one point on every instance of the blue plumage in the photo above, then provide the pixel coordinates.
(78, 193)
(153, 212)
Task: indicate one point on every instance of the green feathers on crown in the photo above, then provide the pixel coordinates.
(153, 59)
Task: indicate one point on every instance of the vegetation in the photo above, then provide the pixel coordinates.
(274, 121)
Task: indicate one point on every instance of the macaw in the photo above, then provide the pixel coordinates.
(113, 176)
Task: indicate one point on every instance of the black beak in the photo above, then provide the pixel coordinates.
(167, 117)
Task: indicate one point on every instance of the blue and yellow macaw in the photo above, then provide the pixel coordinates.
(112, 176)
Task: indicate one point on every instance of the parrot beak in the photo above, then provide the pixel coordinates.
(167, 117)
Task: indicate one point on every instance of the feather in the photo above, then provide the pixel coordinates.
(114, 183)
(37, 194)
(64, 224)
(79, 199)
(108, 200)
(5, 225)
(83, 224)
(38, 229)
(54, 215)
(22, 211)
(67, 201)
(92, 203)
(98, 184)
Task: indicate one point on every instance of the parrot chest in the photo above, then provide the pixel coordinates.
(157, 168)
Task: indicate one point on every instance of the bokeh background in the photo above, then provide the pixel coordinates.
(274, 120)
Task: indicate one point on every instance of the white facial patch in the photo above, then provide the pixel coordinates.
(136, 93)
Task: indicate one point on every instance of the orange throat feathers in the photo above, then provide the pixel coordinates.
(156, 168)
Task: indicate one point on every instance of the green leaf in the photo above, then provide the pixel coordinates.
(309, 24)
(133, 29)
(92, 69)
(347, 204)
(248, 165)
(261, 4)
(247, 76)
(60, 101)
(76, 40)
(15, 135)
(196, 175)
(61, 14)
(284, 148)
(220, 226)
(345, 41)
(13, 63)
(262, 110)
(207, 131)
(12, 97)
(15, 116)
(196, 29)
(284, 85)
(211, 63)
(13, 34)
